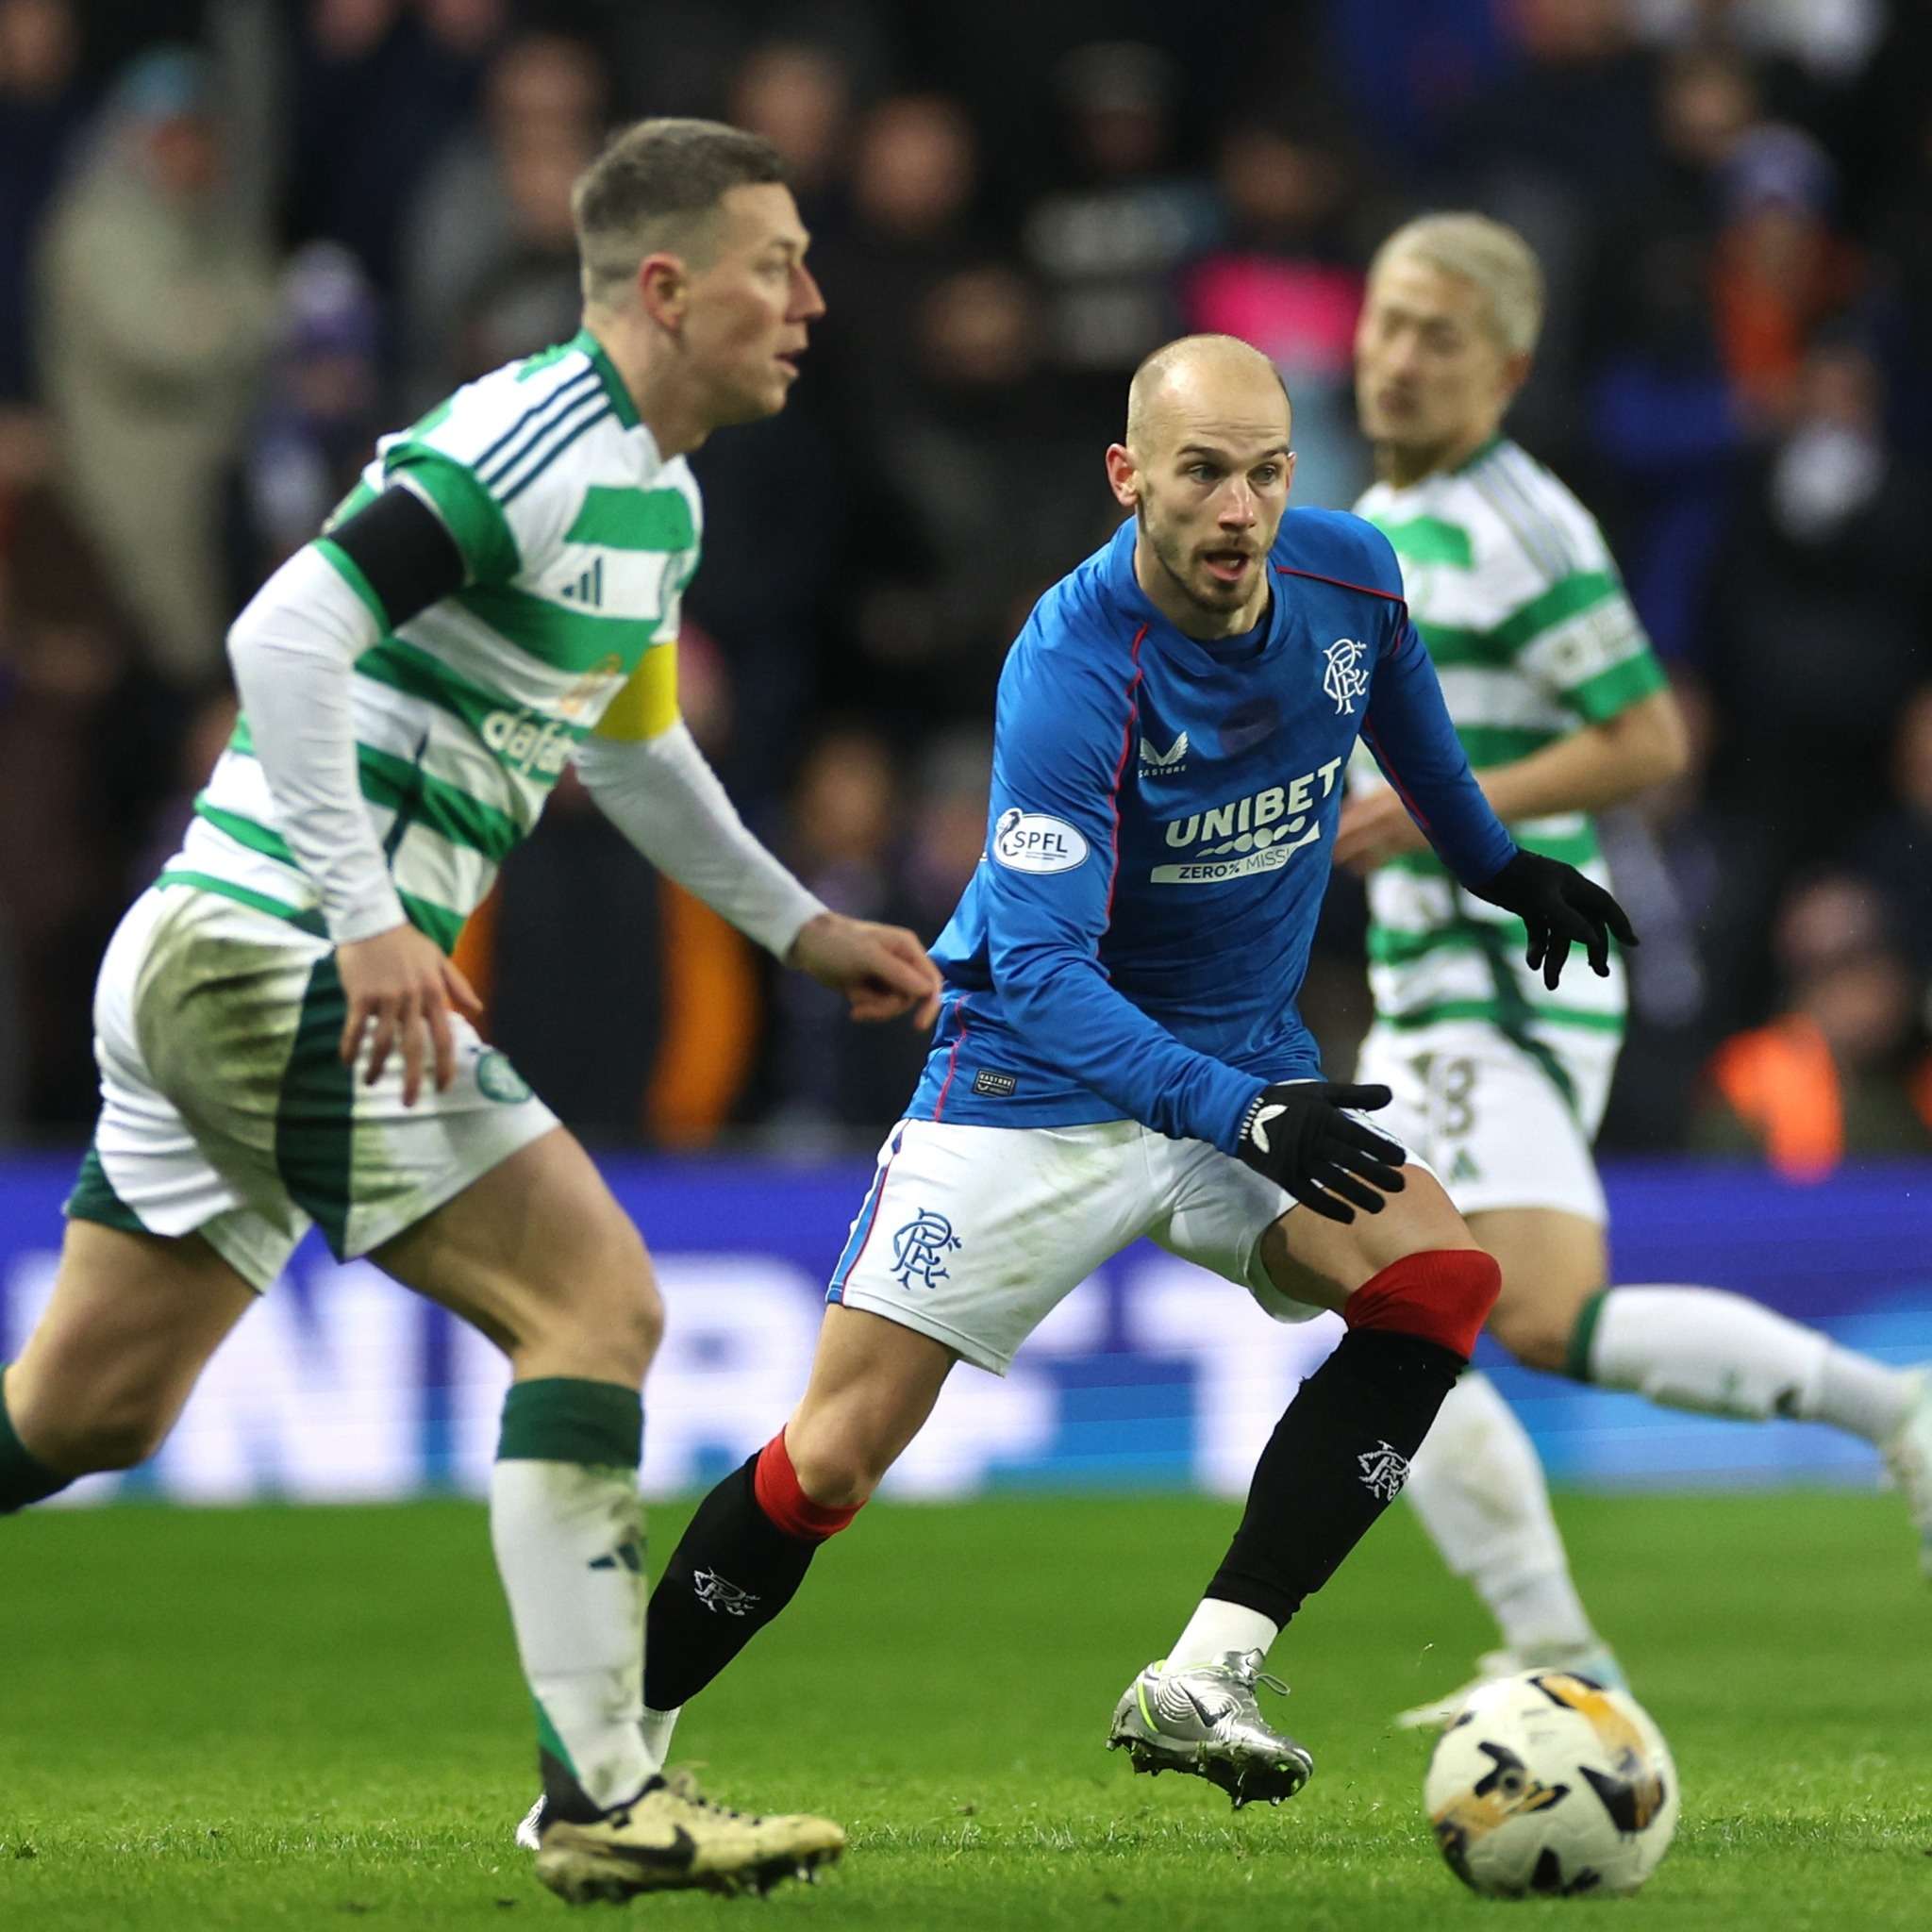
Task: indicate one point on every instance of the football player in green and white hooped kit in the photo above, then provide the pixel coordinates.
(1500, 1083)
(284, 1040)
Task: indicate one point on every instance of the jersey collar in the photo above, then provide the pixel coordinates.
(1139, 609)
(622, 407)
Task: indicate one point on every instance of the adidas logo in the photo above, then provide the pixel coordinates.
(1164, 764)
(588, 589)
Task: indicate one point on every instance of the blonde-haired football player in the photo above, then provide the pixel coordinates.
(284, 1040)
(1500, 1083)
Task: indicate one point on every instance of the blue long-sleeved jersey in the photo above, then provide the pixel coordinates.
(1162, 811)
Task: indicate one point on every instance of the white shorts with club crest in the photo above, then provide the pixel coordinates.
(226, 1110)
(975, 1235)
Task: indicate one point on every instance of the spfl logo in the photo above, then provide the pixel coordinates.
(1384, 1468)
(1345, 680)
(919, 1248)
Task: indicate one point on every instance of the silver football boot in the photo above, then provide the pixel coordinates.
(1205, 1721)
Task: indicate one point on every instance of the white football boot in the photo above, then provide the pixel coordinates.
(1595, 1661)
(1206, 1720)
(1909, 1461)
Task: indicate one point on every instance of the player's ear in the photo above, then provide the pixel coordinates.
(663, 289)
(1124, 475)
(1516, 370)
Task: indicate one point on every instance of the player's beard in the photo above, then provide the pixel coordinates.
(1218, 600)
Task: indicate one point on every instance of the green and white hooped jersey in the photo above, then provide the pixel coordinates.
(1515, 593)
(578, 541)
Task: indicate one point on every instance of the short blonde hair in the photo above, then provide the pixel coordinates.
(1495, 257)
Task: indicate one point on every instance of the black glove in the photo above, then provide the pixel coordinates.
(1296, 1134)
(1558, 905)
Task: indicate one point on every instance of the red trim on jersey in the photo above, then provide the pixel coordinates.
(1342, 583)
(938, 1106)
(1119, 771)
(1402, 790)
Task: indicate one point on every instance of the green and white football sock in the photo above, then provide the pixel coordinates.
(567, 1529)
(23, 1479)
(1722, 1354)
(1477, 1484)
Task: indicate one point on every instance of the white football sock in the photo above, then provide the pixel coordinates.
(1709, 1350)
(569, 1542)
(659, 1725)
(1216, 1628)
(1477, 1484)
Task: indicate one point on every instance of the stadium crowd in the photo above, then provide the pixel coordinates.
(238, 240)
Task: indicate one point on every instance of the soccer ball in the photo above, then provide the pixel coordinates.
(1548, 1783)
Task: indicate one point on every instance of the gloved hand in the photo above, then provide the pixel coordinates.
(1558, 905)
(1296, 1134)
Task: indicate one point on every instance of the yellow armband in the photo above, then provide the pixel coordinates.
(647, 705)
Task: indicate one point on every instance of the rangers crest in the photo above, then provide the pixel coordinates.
(1345, 680)
(716, 1594)
(1384, 1468)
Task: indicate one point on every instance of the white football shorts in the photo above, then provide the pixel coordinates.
(226, 1109)
(1504, 1123)
(975, 1235)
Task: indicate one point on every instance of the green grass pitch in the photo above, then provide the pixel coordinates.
(311, 1719)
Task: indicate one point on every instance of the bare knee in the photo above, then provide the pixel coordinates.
(838, 1460)
(112, 1430)
(1534, 1329)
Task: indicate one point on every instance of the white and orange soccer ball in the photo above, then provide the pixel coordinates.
(1549, 1784)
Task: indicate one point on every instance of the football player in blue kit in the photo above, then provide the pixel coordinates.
(1118, 1053)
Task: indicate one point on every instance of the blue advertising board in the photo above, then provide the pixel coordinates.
(1152, 1374)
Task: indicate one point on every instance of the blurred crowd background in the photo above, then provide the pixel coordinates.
(238, 240)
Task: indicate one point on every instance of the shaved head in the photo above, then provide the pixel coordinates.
(1212, 377)
(1204, 468)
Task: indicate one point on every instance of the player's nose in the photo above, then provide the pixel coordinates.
(1238, 510)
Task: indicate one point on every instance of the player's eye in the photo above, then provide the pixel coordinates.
(1268, 473)
(1202, 473)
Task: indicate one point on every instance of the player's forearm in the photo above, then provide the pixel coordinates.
(1060, 1003)
(665, 798)
(1599, 766)
(293, 650)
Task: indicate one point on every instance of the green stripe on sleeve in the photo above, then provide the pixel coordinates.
(1503, 744)
(1637, 677)
(469, 513)
(1431, 540)
(1449, 646)
(633, 519)
(1568, 597)
(351, 573)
